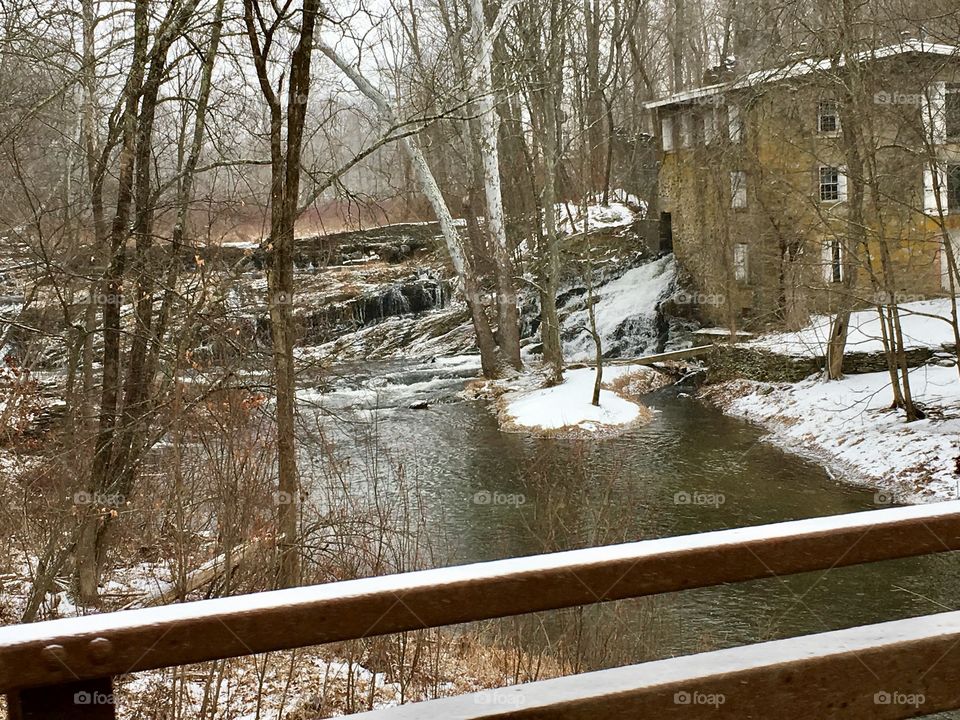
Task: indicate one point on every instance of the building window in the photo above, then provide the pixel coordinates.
(666, 130)
(829, 184)
(833, 260)
(710, 125)
(935, 190)
(741, 265)
(934, 111)
(953, 188)
(951, 110)
(738, 189)
(828, 117)
(734, 123)
(686, 130)
(833, 184)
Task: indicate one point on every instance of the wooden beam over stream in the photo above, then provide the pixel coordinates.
(653, 359)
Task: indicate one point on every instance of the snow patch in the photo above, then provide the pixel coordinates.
(925, 323)
(599, 217)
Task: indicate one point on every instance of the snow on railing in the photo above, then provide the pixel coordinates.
(60, 656)
(897, 669)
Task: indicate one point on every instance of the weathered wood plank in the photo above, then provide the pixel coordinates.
(103, 645)
(900, 669)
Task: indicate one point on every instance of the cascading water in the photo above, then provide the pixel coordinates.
(627, 308)
(415, 295)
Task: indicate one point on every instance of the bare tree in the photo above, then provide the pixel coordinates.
(285, 153)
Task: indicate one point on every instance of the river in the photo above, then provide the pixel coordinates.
(481, 494)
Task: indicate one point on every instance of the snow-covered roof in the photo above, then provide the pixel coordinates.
(806, 66)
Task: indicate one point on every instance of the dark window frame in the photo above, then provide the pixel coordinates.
(953, 188)
(829, 188)
(951, 111)
(836, 261)
(832, 127)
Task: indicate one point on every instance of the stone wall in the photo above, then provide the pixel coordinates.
(728, 362)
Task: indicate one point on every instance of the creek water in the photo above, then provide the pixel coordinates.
(482, 494)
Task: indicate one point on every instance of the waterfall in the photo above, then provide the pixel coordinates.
(394, 302)
(628, 311)
(413, 295)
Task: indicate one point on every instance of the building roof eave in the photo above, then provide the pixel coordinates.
(803, 67)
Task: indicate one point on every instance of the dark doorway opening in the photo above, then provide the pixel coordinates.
(666, 233)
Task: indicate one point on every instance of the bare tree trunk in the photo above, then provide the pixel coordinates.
(597, 344)
(591, 312)
(285, 156)
(888, 351)
(86, 554)
(508, 321)
(677, 43)
(115, 458)
(855, 236)
(550, 322)
(911, 410)
(953, 275)
(593, 105)
(550, 276)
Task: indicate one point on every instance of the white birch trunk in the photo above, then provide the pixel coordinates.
(489, 124)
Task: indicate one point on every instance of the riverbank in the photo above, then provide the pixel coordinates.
(776, 382)
(445, 481)
(848, 426)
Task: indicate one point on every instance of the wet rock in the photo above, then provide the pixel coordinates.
(943, 359)
(413, 295)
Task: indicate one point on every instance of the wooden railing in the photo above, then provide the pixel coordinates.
(893, 670)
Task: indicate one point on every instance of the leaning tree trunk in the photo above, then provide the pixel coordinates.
(431, 190)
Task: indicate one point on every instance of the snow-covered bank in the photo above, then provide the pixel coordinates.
(848, 425)
(567, 410)
(925, 324)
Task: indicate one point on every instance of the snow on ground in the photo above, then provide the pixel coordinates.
(567, 407)
(621, 209)
(620, 195)
(599, 217)
(625, 308)
(925, 324)
(848, 423)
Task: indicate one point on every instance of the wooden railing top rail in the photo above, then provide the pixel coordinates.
(101, 646)
(896, 669)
